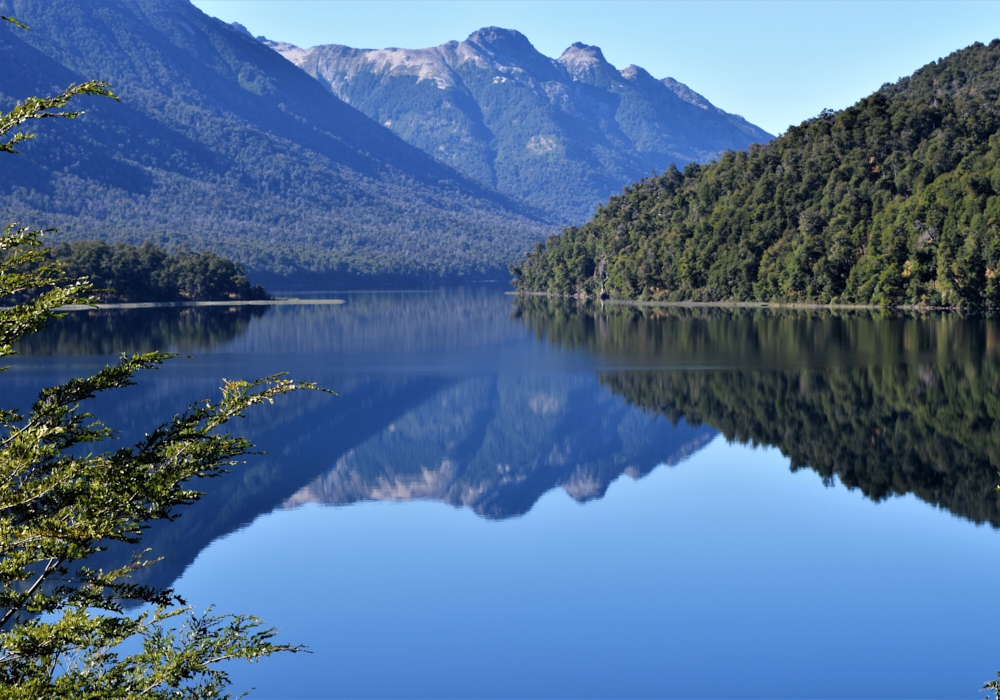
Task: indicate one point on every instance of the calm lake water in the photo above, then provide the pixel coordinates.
(549, 500)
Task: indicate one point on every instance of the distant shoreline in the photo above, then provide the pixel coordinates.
(182, 304)
(746, 304)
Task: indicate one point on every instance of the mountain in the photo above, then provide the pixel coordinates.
(563, 134)
(221, 144)
(895, 200)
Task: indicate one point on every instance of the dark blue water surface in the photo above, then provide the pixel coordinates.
(551, 500)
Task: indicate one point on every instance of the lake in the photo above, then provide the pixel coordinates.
(548, 499)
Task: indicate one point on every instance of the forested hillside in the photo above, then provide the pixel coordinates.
(891, 201)
(220, 143)
(563, 134)
(147, 273)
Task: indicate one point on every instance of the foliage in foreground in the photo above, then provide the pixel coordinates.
(58, 506)
(63, 630)
(893, 201)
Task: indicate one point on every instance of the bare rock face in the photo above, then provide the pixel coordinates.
(563, 134)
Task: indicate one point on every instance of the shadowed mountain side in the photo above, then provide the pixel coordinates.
(901, 405)
(220, 143)
(563, 134)
(497, 444)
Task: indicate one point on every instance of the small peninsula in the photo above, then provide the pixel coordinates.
(147, 273)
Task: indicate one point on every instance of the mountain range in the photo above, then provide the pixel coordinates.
(563, 134)
(221, 144)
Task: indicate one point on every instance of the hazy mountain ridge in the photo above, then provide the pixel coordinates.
(563, 134)
(221, 144)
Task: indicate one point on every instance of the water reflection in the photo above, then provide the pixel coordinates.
(113, 331)
(462, 397)
(497, 444)
(441, 397)
(886, 403)
(723, 568)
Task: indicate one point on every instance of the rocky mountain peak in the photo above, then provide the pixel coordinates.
(241, 29)
(290, 51)
(513, 118)
(636, 73)
(582, 61)
(511, 48)
(498, 39)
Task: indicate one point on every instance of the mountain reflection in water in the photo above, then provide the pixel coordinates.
(497, 444)
(470, 398)
(441, 397)
(114, 331)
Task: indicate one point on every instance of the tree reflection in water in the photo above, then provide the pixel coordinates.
(115, 331)
(446, 397)
(889, 403)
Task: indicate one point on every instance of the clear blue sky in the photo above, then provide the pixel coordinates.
(775, 63)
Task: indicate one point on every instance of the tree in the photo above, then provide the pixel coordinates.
(63, 624)
(994, 688)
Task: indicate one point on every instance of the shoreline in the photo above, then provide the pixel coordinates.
(748, 304)
(189, 304)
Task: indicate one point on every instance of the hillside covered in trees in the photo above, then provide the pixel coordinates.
(893, 201)
(147, 273)
(220, 143)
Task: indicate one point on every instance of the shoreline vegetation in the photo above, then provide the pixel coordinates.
(805, 306)
(124, 273)
(199, 304)
(893, 202)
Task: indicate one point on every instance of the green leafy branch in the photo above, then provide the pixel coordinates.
(42, 108)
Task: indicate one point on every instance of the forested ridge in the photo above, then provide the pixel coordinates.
(893, 201)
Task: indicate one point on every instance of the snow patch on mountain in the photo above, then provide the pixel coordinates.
(290, 51)
(687, 94)
(426, 64)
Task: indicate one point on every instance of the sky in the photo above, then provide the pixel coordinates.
(774, 63)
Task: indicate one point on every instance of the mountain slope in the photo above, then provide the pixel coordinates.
(222, 144)
(563, 134)
(892, 201)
